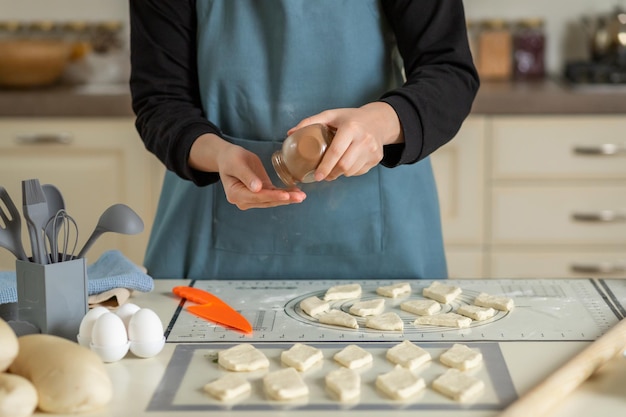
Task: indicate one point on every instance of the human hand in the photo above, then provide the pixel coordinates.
(358, 143)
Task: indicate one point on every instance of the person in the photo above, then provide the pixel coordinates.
(216, 87)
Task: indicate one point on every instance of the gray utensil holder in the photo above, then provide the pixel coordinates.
(53, 297)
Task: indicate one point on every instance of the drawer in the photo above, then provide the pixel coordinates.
(465, 263)
(559, 147)
(574, 215)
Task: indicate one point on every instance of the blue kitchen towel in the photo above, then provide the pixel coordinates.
(111, 270)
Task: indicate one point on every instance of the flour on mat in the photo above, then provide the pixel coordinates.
(387, 321)
(461, 357)
(408, 355)
(458, 385)
(344, 383)
(228, 387)
(353, 356)
(343, 292)
(301, 357)
(399, 383)
(494, 301)
(285, 384)
(441, 292)
(313, 306)
(242, 358)
(421, 307)
(368, 307)
(445, 320)
(395, 290)
(338, 318)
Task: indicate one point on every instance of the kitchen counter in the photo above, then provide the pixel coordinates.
(545, 97)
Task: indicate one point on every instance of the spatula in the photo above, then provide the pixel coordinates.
(11, 233)
(35, 211)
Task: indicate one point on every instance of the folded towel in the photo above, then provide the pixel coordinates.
(111, 270)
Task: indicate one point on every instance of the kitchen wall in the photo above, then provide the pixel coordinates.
(561, 16)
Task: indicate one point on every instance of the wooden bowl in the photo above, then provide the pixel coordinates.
(26, 63)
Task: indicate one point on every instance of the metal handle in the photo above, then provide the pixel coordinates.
(599, 268)
(607, 149)
(600, 216)
(60, 138)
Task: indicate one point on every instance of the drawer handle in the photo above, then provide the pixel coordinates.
(599, 268)
(600, 216)
(608, 149)
(61, 138)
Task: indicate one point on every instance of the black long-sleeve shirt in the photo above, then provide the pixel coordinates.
(441, 81)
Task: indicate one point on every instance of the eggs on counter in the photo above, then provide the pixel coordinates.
(112, 334)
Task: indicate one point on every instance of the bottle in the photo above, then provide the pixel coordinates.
(529, 49)
(495, 50)
(301, 153)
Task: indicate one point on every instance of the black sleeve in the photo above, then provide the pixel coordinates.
(441, 80)
(164, 83)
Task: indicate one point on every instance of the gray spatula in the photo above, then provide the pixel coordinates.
(35, 211)
(11, 232)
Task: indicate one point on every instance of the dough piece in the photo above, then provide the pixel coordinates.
(353, 356)
(313, 306)
(494, 301)
(368, 308)
(395, 290)
(458, 386)
(344, 383)
(8, 345)
(445, 320)
(387, 321)
(338, 318)
(441, 292)
(421, 307)
(476, 313)
(399, 383)
(301, 357)
(228, 387)
(242, 358)
(285, 384)
(461, 357)
(18, 397)
(408, 355)
(343, 292)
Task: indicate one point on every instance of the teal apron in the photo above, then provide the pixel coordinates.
(263, 66)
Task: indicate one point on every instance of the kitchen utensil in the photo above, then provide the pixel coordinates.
(35, 211)
(62, 222)
(213, 308)
(119, 218)
(11, 230)
(55, 201)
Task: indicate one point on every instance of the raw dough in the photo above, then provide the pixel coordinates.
(8, 345)
(228, 387)
(395, 290)
(441, 292)
(344, 383)
(399, 383)
(313, 306)
(285, 384)
(421, 307)
(458, 386)
(242, 358)
(338, 318)
(301, 357)
(445, 320)
(18, 397)
(368, 308)
(408, 355)
(494, 301)
(387, 321)
(343, 292)
(461, 357)
(476, 312)
(353, 356)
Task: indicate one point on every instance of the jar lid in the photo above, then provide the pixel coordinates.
(531, 22)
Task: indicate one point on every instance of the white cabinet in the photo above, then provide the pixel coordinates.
(95, 162)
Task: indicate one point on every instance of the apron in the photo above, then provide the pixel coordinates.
(263, 66)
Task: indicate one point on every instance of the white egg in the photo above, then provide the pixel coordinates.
(126, 311)
(145, 332)
(109, 338)
(86, 324)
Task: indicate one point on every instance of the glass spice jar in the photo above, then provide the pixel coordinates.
(529, 49)
(301, 153)
(495, 50)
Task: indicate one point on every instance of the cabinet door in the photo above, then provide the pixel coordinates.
(94, 162)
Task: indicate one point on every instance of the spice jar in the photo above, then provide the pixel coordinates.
(495, 50)
(529, 49)
(301, 153)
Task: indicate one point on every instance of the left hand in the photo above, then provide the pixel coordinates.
(358, 143)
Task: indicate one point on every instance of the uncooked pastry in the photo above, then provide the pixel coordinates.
(461, 357)
(445, 320)
(408, 355)
(228, 387)
(285, 384)
(399, 383)
(368, 308)
(301, 357)
(353, 356)
(338, 318)
(343, 292)
(476, 312)
(458, 385)
(313, 306)
(395, 290)
(18, 397)
(344, 383)
(494, 301)
(8, 345)
(242, 358)
(421, 307)
(441, 292)
(387, 321)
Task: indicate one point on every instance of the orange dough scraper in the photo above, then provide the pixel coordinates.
(212, 308)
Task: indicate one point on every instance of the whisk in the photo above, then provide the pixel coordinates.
(65, 232)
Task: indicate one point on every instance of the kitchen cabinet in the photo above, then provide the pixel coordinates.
(95, 162)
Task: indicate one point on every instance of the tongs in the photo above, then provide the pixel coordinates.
(212, 308)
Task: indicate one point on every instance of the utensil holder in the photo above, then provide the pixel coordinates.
(53, 297)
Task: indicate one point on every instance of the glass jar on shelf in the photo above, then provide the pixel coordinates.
(529, 44)
(495, 50)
